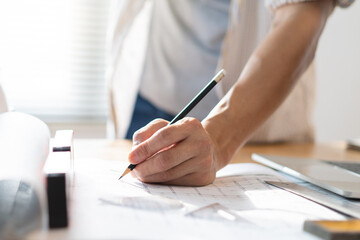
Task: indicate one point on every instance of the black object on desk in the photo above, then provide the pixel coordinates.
(59, 173)
(57, 200)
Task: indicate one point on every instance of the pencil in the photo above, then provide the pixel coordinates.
(188, 107)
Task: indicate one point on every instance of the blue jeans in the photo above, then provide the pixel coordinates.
(144, 112)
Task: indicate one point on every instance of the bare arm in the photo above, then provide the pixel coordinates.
(190, 152)
(269, 76)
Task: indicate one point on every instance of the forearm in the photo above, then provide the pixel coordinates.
(268, 77)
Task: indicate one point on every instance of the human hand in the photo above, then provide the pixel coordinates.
(178, 154)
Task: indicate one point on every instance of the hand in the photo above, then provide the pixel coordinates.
(178, 154)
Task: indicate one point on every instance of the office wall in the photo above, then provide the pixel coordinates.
(337, 112)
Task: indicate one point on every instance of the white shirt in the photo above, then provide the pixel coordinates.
(183, 50)
(249, 22)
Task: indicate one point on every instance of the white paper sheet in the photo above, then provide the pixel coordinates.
(237, 205)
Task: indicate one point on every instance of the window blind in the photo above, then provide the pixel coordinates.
(53, 58)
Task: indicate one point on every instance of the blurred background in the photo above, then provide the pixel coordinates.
(54, 57)
(337, 113)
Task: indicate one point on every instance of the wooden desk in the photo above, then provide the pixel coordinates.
(118, 150)
(105, 151)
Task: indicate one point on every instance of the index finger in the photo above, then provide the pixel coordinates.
(163, 138)
(147, 131)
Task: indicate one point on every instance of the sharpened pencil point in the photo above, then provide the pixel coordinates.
(127, 170)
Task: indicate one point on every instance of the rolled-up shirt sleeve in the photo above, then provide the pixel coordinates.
(274, 4)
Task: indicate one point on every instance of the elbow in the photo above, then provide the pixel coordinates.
(301, 26)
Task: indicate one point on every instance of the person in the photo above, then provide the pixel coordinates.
(266, 96)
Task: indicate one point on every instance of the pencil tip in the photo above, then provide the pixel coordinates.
(127, 170)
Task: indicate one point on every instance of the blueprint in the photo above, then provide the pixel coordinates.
(238, 204)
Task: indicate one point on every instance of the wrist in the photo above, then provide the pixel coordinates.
(221, 136)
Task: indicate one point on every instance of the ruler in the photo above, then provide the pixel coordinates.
(321, 196)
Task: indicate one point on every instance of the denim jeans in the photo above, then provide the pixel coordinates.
(144, 112)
